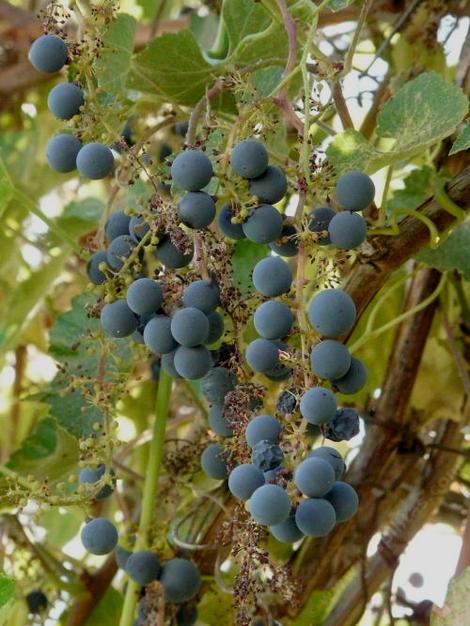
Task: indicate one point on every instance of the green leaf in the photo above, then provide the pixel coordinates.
(316, 609)
(351, 150)
(417, 189)
(7, 589)
(245, 256)
(216, 607)
(61, 524)
(455, 610)
(7, 187)
(463, 141)
(80, 217)
(452, 253)
(112, 66)
(337, 5)
(108, 610)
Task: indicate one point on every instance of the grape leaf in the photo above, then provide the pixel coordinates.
(351, 150)
(7, 589)
(452, 253)
(455, 610)
(316, 609)
(417, 189)
(463, 141)
(108, 610)
(337, 5)
(245, 256)
(6, 187)
(112, 66)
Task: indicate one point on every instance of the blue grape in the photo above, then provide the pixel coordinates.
(272, 276)
(344, 427)
(180, 580)
(96, 276)
(244, 480)
(314, 477)
(263, 428)
(62, 151)
(218, 423)
(271, 186)
(319, 221)
(99, 536)
(347, 230)
(189, 327)
(263, 225)
(330, 359)
(168, 364)
(48, 54)
(355, 191)
(262, 355)
(168, 254)
(164, 152)
(91, 475)
(37, 601)
(121, 555)
(118, 251)
(229, 229)
(191, 170)
(354, 379)
(157, 335)
(287, 401)
(333, 457)
(332, 312)
(318, 406)
(118, 320)
(279, 372)
(95, 161)
(270, 505)
(344, 499)
(155, 368)
(213, 462)
(270, 475)
(266, 455)
(196, 209)
(138, 228)
(249, 158)
(287, 531)
(202, 294)
(287, 244)
(186, 615)
(273, 319)
(181, 128)
(65, 100)
(192, 363)
(216, 327)
(144, 296)
(143, 567)
(118, 224)
(315, 517)
(217, 383)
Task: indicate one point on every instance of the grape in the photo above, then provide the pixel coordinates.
(168, 254)
(181, 128)
(213, 462)
(118, 224)
(91, 475)
(196, 209)
(287, 244)
(65, 100)
(319, 221)
(202, 294)
(354, 379)
(155, 368)
(216, 327)
(271, 186)
(168, 364)
(157, 335)
(186, 615)
(262, 355)
(355, 191)
(347, 230)
(96, 276)
(272, 276)
(217, 383)
(191, 170)
(270, 475)
(95, 161)
(127, 133)
(99, 536)
(270, 505)
(118, 251)
(344, 427)
(279, 372)
(314, 477)
(144, 296)
(164, 152)
(249, 158)
(192, 363)
(312, 431)
(318, 406)
(138, 228)
(273, 319)
(36, 601)
(143, 567)
(344, 499)
(333, 457)
(118, 320)
(266, 455)
(416, 580)
(287, 401)
(244, 480)
(330, 359)
(229, 229)
(287, 531)
(315, 517)
(263, 225)
(190, 327)
(262, 428)
(62, 151)
(180, 580)
(48, 54)
(332, 312)
(121, 555)
(218, 422)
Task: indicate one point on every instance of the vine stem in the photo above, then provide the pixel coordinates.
(150, 487)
